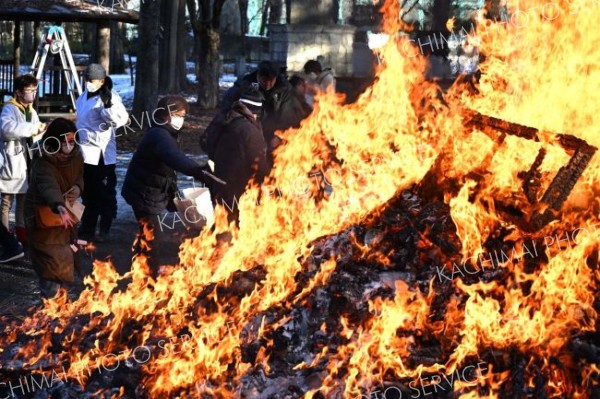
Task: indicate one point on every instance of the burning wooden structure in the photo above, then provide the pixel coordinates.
(403, 246)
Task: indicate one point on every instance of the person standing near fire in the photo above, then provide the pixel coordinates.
(100, 112)
(318, 80)
(19, 123)
(239, 152)
(281, 109)
(150, 184)
(56, 177)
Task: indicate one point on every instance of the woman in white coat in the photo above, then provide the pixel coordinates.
(18, 124)
(100, 112)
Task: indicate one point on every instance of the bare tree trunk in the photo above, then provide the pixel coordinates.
(168, 81)
(208, 82)
(288, 11)
(240, 67)
(264, 17)
(103, 44)
(117, 51)
(146, 80)
(206, 23)
(244, 24)
(173, 82)
(28, 40)
(37, 35)
(163, 46)
(181, 48)
(276, 11)
(17, 47)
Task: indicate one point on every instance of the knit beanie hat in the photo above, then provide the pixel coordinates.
(95, 71)
(253, 100)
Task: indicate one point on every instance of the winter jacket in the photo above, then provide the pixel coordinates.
(151, 180)
(321, 83)
(97, 125)
(50, 248)
(281, 109)
(240, 154)
(14, 132)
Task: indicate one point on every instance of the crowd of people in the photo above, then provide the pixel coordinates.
(77, 159)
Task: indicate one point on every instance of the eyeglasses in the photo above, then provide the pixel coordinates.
(30, 91)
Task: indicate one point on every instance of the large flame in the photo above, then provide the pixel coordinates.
(344, 163)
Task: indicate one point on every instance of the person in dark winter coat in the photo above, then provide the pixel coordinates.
(56, 177)
(281, 109)
(151, 182)
(240, 153)
(300, 89)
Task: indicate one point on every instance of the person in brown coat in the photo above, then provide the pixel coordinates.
(56, 176)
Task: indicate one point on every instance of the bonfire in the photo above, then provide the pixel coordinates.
(415, 243)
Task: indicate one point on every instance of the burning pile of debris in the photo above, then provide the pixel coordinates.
(471, 272)
(407, 247)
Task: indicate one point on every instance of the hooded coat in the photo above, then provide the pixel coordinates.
(281, 109)
(240, 154)
(50, 177)
(14, 131)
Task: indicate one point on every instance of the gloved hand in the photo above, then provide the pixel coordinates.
(205, 175)
(198, 173)
(106, 96)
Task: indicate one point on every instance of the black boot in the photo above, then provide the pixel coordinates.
(87, 230)
(105, 223)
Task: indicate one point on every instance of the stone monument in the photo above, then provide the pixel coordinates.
(314, 32)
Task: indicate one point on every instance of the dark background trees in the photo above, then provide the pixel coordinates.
(205, 16)
(146, 81)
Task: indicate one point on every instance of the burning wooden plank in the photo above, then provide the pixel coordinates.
(542, 211)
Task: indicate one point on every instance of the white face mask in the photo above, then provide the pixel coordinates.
(29, 97)
(92, 88)
(177, 122)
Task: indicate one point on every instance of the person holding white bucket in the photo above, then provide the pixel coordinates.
(150, 184)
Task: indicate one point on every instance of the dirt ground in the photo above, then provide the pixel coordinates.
(18, 281)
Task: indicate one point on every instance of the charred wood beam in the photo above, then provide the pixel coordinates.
(547, 208)
(532, 179)
(561, 187)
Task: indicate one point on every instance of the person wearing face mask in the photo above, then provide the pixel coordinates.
(151, 182)
(19, 123)
(318, 80)
(100, 112)
(56, 178)
(240, 152)
(281, 109)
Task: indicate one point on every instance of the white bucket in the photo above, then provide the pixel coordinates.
(195, 207)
